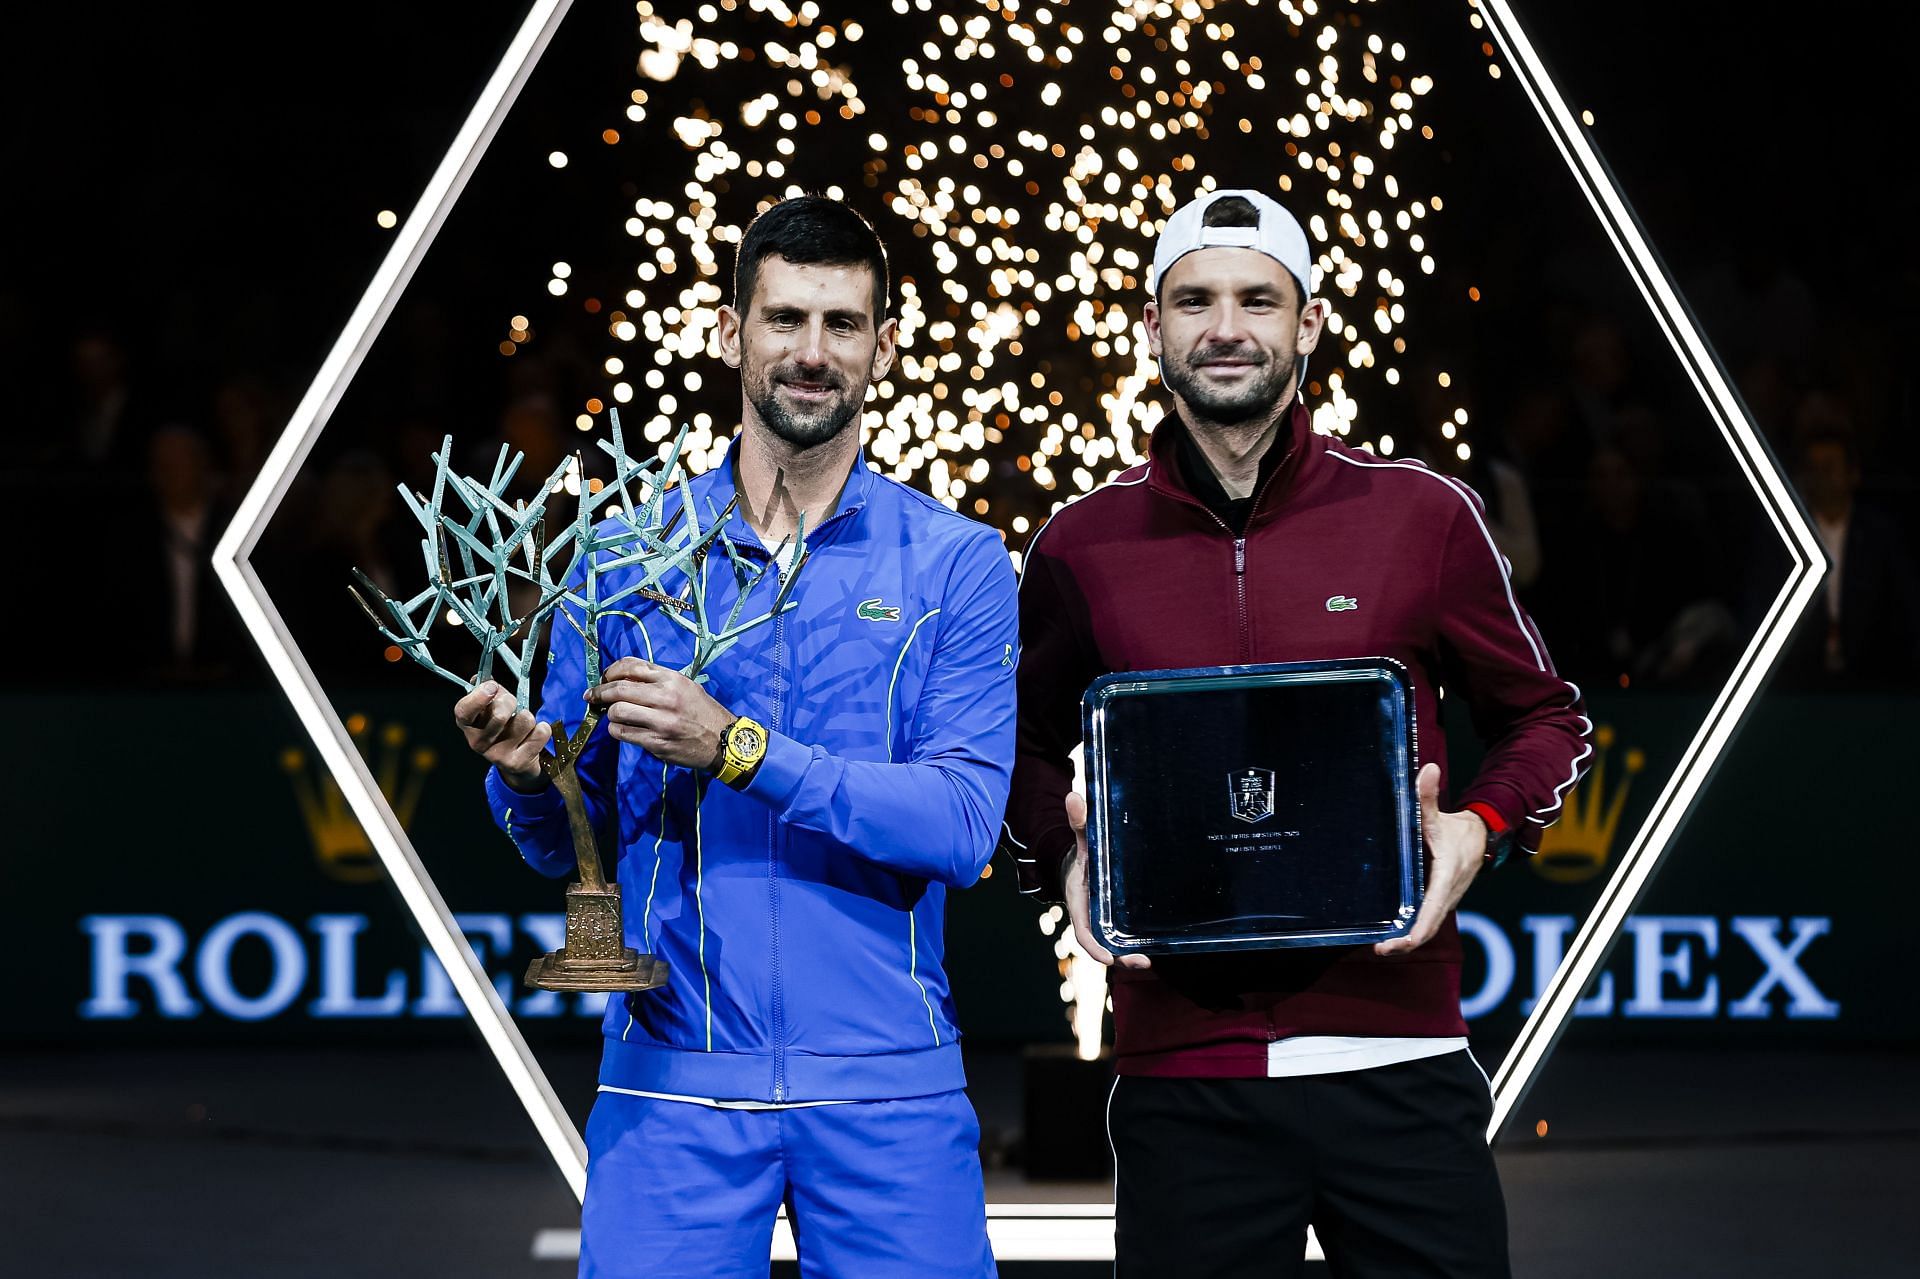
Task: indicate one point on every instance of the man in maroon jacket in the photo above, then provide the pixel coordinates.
(1260, 1092)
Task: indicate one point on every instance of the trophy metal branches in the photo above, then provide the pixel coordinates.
(588, 572)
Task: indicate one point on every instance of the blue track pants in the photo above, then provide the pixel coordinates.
(872, 1188)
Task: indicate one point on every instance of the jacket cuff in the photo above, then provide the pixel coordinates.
(1499, 806)
(1038, 871)
(782, 769)
(525, 808)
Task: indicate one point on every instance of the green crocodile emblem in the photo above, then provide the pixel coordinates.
(1342, 604)
(874, 611)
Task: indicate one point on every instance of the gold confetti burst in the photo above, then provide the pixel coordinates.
(1018, 159)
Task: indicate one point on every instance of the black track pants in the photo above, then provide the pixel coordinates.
(1220, 1178)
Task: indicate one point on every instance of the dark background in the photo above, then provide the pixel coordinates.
(193, 195)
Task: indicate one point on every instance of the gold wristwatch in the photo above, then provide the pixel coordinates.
(741, 748)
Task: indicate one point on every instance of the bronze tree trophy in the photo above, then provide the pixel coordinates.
(501, 550)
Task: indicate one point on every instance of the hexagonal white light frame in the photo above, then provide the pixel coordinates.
(1019, 1231)
(1703, 753)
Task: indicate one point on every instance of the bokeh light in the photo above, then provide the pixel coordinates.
(1018, 159)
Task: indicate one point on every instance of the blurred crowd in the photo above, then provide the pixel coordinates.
(1633, 535)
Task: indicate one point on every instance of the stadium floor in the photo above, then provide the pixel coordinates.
(286, 1163)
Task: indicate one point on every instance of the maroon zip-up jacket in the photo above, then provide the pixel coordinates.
(1344, 555)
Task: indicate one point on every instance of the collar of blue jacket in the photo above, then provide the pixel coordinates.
(718, 487)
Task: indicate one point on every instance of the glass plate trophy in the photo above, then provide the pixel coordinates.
(1248, 807)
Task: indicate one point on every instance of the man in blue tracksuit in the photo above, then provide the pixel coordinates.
(786, 833)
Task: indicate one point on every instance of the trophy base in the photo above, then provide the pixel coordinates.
(595, 955)
(634, 972)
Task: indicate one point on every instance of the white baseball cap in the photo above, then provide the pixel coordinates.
(1278, 236)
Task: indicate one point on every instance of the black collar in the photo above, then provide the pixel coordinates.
(1205, 485)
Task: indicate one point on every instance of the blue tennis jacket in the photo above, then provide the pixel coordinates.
(802, 917)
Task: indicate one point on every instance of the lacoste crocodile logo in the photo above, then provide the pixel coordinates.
(874, 611)
(1341, 603)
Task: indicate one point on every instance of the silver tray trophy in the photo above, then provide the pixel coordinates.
(1247, 807)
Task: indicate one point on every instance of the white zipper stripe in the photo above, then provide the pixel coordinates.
(1112, 1149)
(913, 971)
(913, 941)
(898, 662)
(700, 904)
(653, 884)
(700, 873)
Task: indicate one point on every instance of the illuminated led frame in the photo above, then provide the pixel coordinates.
(1019, 1231)
(1590, 946)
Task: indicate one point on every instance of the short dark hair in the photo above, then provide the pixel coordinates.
(811, 230)
(1231, 210)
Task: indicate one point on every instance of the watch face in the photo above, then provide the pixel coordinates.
(747, 740)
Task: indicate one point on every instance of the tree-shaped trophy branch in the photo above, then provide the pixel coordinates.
(480, 561)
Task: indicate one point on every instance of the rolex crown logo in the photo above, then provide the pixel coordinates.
(1576, 848)
(339, 845)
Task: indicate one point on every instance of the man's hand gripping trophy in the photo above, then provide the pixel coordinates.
(478, 561)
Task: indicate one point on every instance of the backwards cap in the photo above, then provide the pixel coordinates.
(1278, 236)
